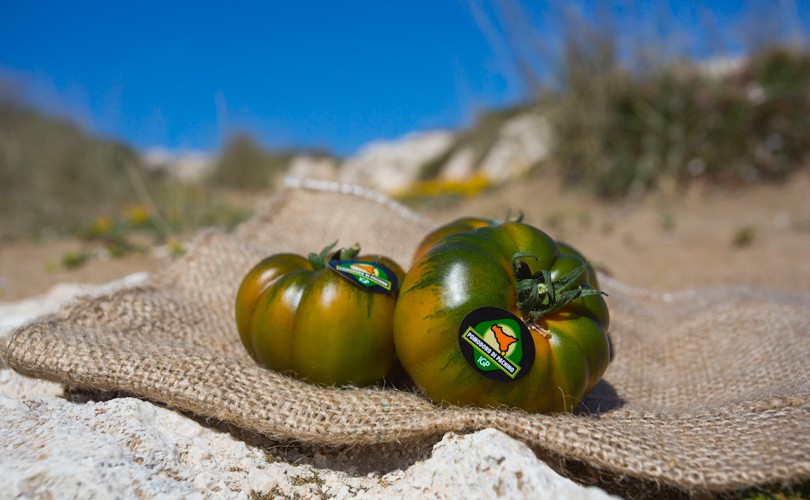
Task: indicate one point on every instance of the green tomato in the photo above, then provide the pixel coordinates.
(502, 315)
(461, 225)
(302, 317)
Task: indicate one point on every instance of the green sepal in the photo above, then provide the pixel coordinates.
(517, 217)
(318, 260)
(538, 295)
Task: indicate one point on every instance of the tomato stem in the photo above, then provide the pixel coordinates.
(347, 253)
(517, 217)
(539, 295)
(318, 260)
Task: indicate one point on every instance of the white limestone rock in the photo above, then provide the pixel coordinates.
(15, 388)
(125, 447)
(522, 142)
(460, 166)
(485, 464)
(392, 166)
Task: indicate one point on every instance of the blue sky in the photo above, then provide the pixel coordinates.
(319, 74)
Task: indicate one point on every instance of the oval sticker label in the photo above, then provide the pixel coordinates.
(370, 276)
(496, 343)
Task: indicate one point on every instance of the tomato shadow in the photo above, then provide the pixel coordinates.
(602, 399)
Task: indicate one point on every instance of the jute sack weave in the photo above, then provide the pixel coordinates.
(709, 390)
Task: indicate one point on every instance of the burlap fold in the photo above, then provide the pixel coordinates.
(709, 389)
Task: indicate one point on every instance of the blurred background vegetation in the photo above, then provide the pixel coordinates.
(621, 126)
(622, 133)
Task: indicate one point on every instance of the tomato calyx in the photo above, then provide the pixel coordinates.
(319, 260)
(516, 217)
(538, 295)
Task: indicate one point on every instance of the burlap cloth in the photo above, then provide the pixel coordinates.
(709, 389)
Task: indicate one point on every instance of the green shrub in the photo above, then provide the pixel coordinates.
(244, 164)
(622, 133)
(51, 172)
(56, 179)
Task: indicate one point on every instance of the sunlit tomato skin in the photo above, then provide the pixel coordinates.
(465, 224)
(461, 225)
(464, 271)
(304, 319)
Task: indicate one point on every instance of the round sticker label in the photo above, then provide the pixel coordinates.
(370, 276)
(496, 343)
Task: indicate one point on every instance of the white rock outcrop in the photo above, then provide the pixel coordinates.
(392, 166)
(485, 464)
(460, 166)
(522, 142)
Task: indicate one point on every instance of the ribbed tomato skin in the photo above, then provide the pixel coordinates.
(467, 270)
(314, 324)
(461, 225)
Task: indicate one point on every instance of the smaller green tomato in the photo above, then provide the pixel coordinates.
(328, 322)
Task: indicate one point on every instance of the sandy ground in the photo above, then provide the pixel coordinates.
(662, 242)
(756, 235)
(31, 268)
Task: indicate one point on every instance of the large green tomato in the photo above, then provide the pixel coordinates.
(502, 315)
(328, 322)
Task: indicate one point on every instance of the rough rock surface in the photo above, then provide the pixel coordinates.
(460, 166)
(484, 464)
(129, 447)
(391, 166)
(523, 141)
(394, 166)
(54, 443)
